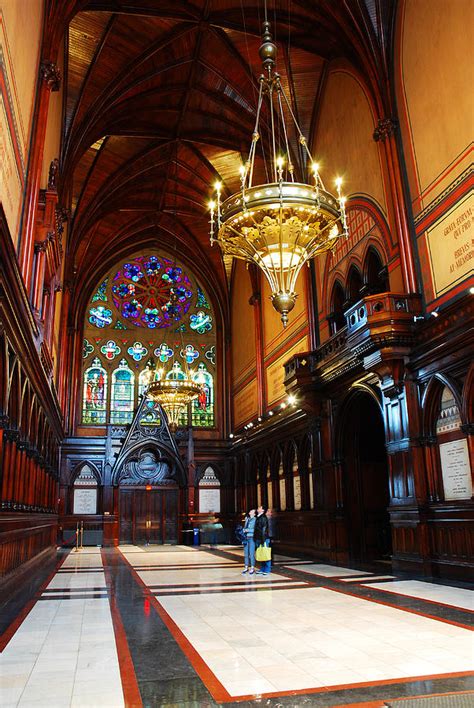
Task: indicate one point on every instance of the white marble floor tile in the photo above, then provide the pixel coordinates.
(327, 571)
(458, 597)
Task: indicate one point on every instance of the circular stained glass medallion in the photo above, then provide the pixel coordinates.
(151, 292)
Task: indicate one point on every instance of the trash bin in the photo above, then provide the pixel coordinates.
(187, 537)
(196, 537)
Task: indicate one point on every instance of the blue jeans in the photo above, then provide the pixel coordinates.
(249, 552)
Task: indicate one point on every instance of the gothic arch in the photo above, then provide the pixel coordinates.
(431, 401)
(201, 469)
(76, 471)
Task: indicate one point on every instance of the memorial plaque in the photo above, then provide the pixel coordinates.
(85, 501)
(282, 495)
(209, 500)
(297, 492)
(456, 470)
(269, 495)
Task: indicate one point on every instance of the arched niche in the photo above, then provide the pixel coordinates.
(336, 316)
(375, 273)
(353, 286)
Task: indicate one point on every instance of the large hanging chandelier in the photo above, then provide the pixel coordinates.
(174, 393)
(281, 225)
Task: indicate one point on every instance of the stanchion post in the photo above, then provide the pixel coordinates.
(82, 535)
(77, 537)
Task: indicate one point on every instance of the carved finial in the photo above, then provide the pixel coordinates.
(51, 75)
(53, 175)
(385, 128)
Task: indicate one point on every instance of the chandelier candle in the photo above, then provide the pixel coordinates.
(283, 224)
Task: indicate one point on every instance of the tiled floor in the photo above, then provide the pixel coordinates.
(64, 653)
(176, 626)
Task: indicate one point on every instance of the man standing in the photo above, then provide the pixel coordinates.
(262, 538)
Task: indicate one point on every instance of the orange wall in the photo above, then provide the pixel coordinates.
(435, 92)
(243, 347)
(436, 108)
(343, 143)
(20, 33)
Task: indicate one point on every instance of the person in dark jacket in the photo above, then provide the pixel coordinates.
(261, 537)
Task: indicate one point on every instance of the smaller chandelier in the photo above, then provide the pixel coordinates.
(281, 225)
(174, 396)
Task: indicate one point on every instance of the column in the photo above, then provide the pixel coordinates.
(50, 80)
(385, 133)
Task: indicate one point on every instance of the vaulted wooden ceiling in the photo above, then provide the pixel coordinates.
(160, 102)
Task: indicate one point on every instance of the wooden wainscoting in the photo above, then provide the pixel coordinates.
(25, 538)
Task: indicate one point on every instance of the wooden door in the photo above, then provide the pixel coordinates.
(148, 516)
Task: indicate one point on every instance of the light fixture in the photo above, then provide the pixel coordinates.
(291, 400)
(174, 394)
(282, 224)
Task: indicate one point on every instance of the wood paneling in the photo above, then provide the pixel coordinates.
(22, 537)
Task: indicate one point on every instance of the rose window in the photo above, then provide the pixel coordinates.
(151, 292)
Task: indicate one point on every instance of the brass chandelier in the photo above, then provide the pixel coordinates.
(174, 395)
(281, 225)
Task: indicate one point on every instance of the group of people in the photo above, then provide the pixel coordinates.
(258, 531)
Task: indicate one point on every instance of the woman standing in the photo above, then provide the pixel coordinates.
(261, 536)
(249, 543)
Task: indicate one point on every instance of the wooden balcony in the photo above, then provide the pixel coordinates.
(382, 324)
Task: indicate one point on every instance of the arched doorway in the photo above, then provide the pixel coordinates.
(148, 498)
(365, 479)
(151, 479)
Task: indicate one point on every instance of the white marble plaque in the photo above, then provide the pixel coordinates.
(85, 501)
(282, 495)
(311, 491)
(297, 492)
(269, 495)
(456, 470)
(209, 500)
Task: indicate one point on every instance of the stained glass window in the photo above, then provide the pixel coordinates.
(101, 293)
(146, 376)
(122, 398)
(203, 406)
(151, 292)
(152, 315)
(100, 316)
(95, 394)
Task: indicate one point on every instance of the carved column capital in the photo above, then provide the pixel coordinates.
(11, 435)
(41, 246)
(51, 75)
(53, 175)
(385, 129)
